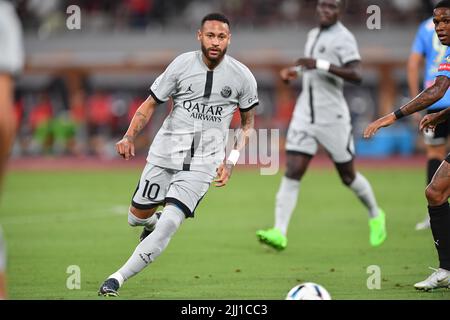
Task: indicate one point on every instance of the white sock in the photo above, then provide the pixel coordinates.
(152, 246)
(361, 187)
(148, 223)
(286, 201)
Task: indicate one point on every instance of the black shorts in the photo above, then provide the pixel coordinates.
(448, 158)
(440, 134)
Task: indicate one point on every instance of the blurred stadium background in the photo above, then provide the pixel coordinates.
(81, 87)
(77, 94)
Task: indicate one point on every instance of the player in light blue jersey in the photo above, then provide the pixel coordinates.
(427, 52)
(438, 191)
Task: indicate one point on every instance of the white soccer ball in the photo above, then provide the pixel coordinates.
(308, 291)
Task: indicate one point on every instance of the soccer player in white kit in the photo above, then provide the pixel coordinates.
(206, 87)
(321, 115)
(11, 63)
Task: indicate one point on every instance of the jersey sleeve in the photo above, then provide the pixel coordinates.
(444, 67)
(248, 97)
(347, 50)
(165, 85)
(419, 45)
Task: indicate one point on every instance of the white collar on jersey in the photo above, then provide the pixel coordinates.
(337, 25)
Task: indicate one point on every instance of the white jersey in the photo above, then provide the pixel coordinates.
(11, 46)
(194, 134)
(322, 99)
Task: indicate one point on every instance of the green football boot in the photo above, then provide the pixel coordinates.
(378, 229)
(273, 238)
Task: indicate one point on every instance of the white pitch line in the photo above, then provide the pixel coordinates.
(71, 215)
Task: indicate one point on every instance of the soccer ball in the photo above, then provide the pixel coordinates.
(308, 291)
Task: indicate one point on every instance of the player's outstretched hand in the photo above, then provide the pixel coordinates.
(372, 128)
(307, 63)
(125, 148)
(430, 121)
(223, 174)
(288, 74)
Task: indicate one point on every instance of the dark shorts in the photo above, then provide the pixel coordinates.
(448, 158)
(440, 134)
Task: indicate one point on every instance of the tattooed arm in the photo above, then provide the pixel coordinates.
(247, 125)
(425, 99)
(125, 147)
(241, 140)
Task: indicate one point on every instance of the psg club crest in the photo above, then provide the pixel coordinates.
(226, 92)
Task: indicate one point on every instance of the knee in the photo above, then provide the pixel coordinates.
(132, 219)
(137, 217)
(294, 172)
(347, 178)
(434, 196)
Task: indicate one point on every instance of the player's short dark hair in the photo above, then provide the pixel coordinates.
(342, 4)
(442, 4)
(215, 17)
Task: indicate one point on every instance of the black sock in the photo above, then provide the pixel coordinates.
(432, 166)
(440, 227)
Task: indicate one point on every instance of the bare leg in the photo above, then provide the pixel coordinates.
(435, 155)
(143, 217)
(296, 165)
(142, 214)
(437, 193)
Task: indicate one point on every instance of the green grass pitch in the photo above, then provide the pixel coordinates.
(53, 220)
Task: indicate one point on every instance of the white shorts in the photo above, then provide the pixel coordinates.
(159, 186)
(337, 139)
(11, 43)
